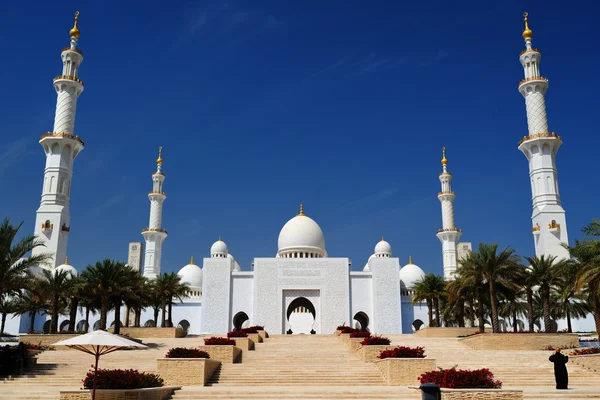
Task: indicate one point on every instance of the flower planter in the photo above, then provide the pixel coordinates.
(186, 371)
(32, 353)
(370, 353)
(160, 393)
(589, 361)
(227, 354)
(337, 332)
(151, 332)
(354, 343)
(244, 343)
(344, 337)
(521, 341)
(481, 394)
(263, 334)
(404, 371)
(46, 339)
(255, 337)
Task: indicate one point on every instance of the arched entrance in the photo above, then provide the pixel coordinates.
(239, 319)
(361, 321)
(417, 324)
(301, 315)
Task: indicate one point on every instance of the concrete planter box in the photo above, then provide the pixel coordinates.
(354, 343)
(255, 337)
(47, 339)
(344, 337)
(244, 343)
(445, 332)
(161, 393)
(404, 371)
(588, 361)
(227, 354)
(481, 394)
(151, 332)
(263, 334)
(521, 341)
(370, 353)
(186, 371)
(337, 332)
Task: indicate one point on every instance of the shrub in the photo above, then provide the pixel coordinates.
(256, 327)
(403, 352)
(342, 327)
(360, 334)
(249, 330)
(348, 329)
(586, 351)
(239, 333)
(122, 379)
(462, 379)
(218, 341)
(375, 341)
(183, 352)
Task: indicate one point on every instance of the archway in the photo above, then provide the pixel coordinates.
(149, 323)
(301, 315)
(239, 319)
(553, 326)
(362, 321)
(82, 326)
(184, 324)
(64, 325)
(417, 324)
(97, 325)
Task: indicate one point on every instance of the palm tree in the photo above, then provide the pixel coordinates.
(470, 274)
(31, 302)
(181, 291)
(431, 289)
(572, 304)
(457, 298)
(55, 285)
(544, 270)
(76, 293)
(14, 268)
(487, 265)
(511, 307)
(169, 286)
(8, 305)
(526, 280)
(420, 294)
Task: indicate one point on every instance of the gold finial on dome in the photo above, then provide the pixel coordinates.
(527, 33)
(444, 159)
(219, 239)
(67, 260)
(410, 259)
(74, 32)
(192, 260)
(301, 210)
(159, 159)
(382, 239)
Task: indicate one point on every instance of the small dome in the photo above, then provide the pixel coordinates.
(219, 248)
(71, 271)
(234, 264)
(191, 274)
(411, 274)
(301, 232)
(383, 247)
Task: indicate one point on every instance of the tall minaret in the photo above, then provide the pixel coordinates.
(449, 234)
(540, 147)
(52, 222)
(154, 234)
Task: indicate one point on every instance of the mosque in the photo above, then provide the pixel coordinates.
(301, 289)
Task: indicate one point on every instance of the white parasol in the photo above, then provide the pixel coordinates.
(98, 343)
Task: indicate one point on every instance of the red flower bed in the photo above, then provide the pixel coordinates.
(250, 329)
(586, 351)
(348, 329)
(122, 379)
(256, 327)
(183, 352)
(218, 341)
(239, 333)
(403, 352)
(360, 334)
(375, 341)
(342, 327)
(462, 379)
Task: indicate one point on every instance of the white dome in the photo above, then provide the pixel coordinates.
(411, 274)
(191, 274)
(67, 268)
(234, 264)
(301, 232)
(219, 247)
(383, 247)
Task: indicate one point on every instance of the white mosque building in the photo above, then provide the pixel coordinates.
(302, 288)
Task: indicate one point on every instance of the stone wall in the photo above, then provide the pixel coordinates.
(244, 343)
(227, 354)
(589, 361)
(46, 339)
(162, 393)
(445, 332)
(370, 353)
(354, 343)
(344, 336)
(404, 371)
(521, 341)
(481, 394)
(263, 334)
(255, 337)
(152, 332)
(186, 371)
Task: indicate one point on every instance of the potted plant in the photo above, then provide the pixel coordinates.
(355, 338)
(222, 349)
(371, 346)
(186, 366)
(402, 366)
(242, 340)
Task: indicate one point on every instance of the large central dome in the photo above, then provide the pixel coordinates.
(301, 237)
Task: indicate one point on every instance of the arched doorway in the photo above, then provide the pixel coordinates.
(184, 324)
(361, 321)
(417, 324)
(301, 315)
(239, 319)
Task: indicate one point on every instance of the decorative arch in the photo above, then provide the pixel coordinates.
(64, 325)
(149, 324)
(239, 319)
(82, 326)
(301, 302)
(46, 327)
(96, 325)
(301, 315)
(362, 321)
(184, 324)
(417, 324)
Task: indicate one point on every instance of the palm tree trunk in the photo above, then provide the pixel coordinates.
(514, 315)
(480, 312)
(569, 327)
(163, 321)
(117, 317)
(596, 311)
(54, 315)
(87, 319)
(4, 315)
(156, 317)
(546, 308)
(138, 316)
(436, 304)
(495, 321)
(73, 314)
(530, 310)
(31, 321)
(430, 312)
(126, 316)
(170, 321)
(461, 314)
(103, 313)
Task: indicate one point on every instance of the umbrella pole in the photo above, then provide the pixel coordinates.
(95, 373)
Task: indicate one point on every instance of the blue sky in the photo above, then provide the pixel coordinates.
(261, 105)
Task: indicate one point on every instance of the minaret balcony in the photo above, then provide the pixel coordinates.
(68, 78)
(65, 228)
(47, 227)
(536, 230)
(154, 230)
(530, 51)
(533, 79)
(554, 227)
(62, 135)
(154, 192)
(71, 49)
(540, 135)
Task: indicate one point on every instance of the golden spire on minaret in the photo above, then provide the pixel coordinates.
(527, 33)
(159, 159)
(444, 159)
(301, 210)
(74, 32)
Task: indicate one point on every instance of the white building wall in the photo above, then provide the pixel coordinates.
(216, 295)
(387, 313)
(361, 295)
(242, 290)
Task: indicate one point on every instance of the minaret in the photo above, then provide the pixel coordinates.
(52, 222)
(449, 234)
(154, 234)
(540, 147)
